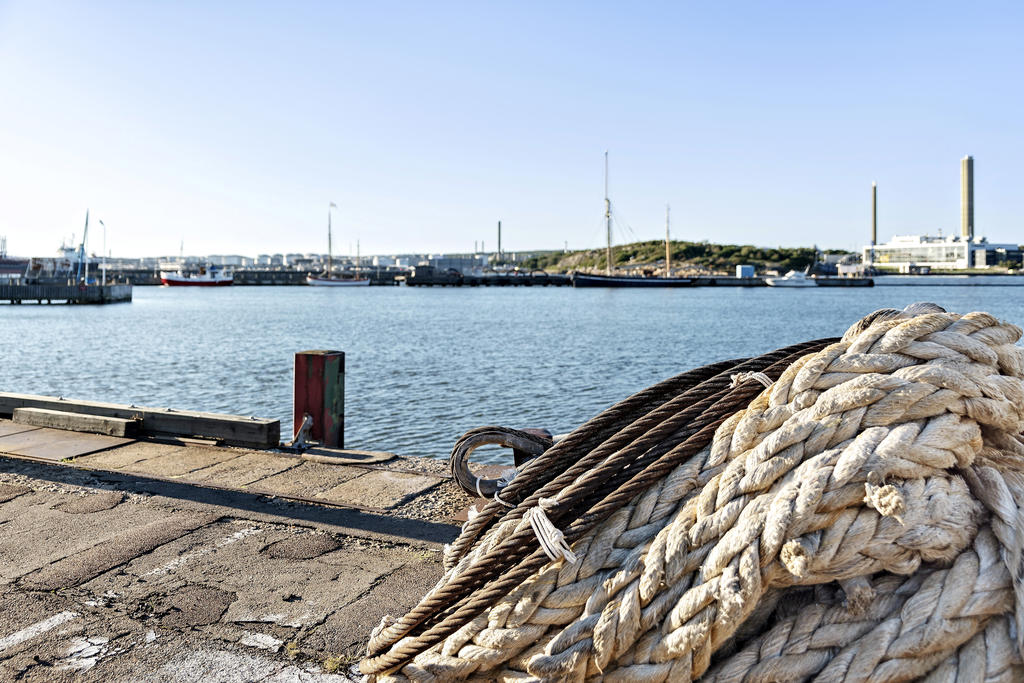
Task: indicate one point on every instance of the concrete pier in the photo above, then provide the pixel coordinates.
(137, 559)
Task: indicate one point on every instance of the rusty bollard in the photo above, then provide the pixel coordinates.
(320, 393)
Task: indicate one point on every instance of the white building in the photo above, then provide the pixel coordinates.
(908, 252)
(228, 259)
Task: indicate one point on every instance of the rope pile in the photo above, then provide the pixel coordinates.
(861, 518)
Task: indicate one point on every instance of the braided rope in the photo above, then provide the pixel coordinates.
(887, 461)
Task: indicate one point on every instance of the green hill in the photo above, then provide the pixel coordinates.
(701, 256)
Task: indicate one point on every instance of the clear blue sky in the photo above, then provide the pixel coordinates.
(232, 125)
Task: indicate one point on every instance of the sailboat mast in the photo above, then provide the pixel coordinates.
(330, 256)
(668, 251)
(82, 253)
(607, 218)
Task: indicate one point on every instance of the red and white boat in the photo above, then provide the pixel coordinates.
(208, 276)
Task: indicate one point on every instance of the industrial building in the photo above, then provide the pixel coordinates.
(916, 253)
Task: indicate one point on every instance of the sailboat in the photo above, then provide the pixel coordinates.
(610, 280)
(328, 280)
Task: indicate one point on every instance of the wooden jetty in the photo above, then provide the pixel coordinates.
(68, 294)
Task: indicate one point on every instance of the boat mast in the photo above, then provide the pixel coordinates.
(668, 252)
(330, 257)
(607, 218)
(81, 251)
(104, 255)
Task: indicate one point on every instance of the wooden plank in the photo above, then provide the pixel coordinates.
(252, 432)
(55, 445)
(76, 422)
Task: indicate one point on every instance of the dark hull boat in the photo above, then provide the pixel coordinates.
(590, 280)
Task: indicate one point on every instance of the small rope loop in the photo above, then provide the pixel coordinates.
(551, 539)
(497, 497)
(741, 377)
(504, 480)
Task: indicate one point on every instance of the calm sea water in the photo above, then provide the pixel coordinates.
(425, 365)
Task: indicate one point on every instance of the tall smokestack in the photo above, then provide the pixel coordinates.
(499, 239)
(967, 198)
(874, 214)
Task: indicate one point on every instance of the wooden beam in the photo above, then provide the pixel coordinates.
(236, 430)
(76, 422)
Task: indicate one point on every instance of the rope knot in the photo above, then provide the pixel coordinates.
(551, 539)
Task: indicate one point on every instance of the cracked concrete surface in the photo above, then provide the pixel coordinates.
(114, 577)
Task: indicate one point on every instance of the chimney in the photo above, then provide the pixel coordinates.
(967, 198)
(874, 214)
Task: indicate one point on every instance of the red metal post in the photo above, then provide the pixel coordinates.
(320, 393)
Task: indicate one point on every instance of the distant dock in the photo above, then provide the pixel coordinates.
(65, 294)
(428, 276)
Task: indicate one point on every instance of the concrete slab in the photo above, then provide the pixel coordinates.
(347, 456)
(236, 600)
(223, 666)
(160, 460)
(8, 492)
(56, 444)
(345, 631)
(119, 458)
(78, 422)
(272, 573)
(24, 620)
(193, 605)
(117, 550)
(186, 555)
(308, 479)
(37, 534)
(244, 470)
(301, 547)
(8, 427)
(89, 503)
(381, 488)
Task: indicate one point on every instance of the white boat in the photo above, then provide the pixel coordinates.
(328, 279)
(793, 278)
(320, 281)
(208, 276)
